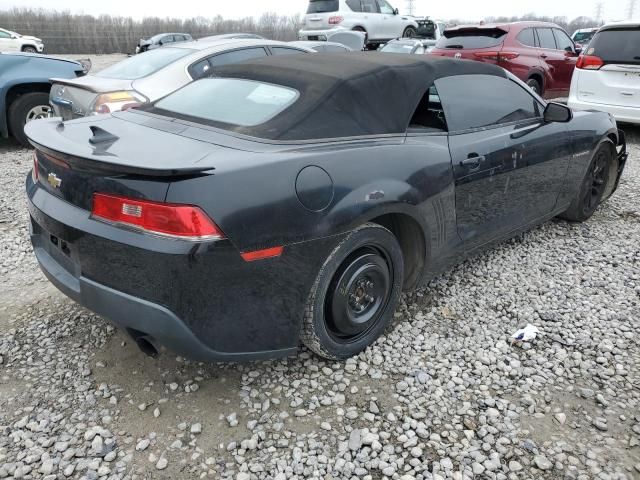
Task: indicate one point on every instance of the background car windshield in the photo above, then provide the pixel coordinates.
(397, 48)
(144, 64)
(323, 6)
(580, 37)
(617, 46)
(228, 100)
(471, 38)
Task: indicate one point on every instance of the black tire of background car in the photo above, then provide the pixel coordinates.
(371, 245)
(535, 86)
(18, 110)
(28, 49)
(594, 185)
(409, 32)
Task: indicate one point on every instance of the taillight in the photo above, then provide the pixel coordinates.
(497, 56)
(186, 222)
(34, 172)
(589, 62)
(335, 20)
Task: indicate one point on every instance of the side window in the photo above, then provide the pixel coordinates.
(354, 5)
(526, 37)
(385, 7)
(545, 36)
(562, 40)
(429, 116)
(4, 35)
(200, 69)
(370, 6)
(236, 56)
(285, 51)
(474, 101)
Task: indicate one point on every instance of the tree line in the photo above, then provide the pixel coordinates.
(65, 32)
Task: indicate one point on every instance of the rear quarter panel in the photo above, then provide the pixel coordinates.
(23, 69)
(257, 204)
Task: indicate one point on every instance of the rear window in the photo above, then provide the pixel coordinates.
(323, 6)
(617, 46)
(232, 101)
(471, 38)
(144, 64)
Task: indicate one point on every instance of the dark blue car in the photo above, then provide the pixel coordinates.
(24, 89)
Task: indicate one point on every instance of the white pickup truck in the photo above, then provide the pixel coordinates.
(377, 19)
(14, 42)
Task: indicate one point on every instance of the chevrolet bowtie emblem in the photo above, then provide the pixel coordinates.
(54, 181)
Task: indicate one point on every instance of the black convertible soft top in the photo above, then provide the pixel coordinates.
(347, 94)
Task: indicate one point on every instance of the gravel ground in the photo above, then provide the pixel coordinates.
(444, 394)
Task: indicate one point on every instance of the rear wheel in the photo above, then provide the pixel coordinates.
(409, 32)
(355, 294)
(24, 109)
(535, 86)
(593, 186)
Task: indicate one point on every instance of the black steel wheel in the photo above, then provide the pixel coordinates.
(593, 187)
(355, 294)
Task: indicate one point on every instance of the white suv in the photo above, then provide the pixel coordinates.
(14, 42)
(607, 74)
(379, 21)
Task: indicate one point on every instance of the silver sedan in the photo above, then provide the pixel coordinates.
(152, 75)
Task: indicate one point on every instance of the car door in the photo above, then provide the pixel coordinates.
(205, 67)
(7, 44)
(372, 19)
(509, 165)
(555, 61)
(391, 23)
(566, 67)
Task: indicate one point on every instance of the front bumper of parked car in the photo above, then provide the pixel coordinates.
(40, 47)
(200, 300)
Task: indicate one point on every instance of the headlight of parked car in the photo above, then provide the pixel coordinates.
(115, 101)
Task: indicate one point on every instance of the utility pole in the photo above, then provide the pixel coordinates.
(410, 6)
(599, 10)
(631, 9)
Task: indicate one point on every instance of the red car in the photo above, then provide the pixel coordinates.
(540, 54)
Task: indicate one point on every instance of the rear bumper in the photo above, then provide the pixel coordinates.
(199, 300)
(319, 35)
(621, 114)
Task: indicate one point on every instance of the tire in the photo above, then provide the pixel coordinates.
(409, 32)
(28, 49)
(593, 187)
(355, 293)
(535, 86)
(25, 108)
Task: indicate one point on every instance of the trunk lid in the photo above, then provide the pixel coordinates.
(466, 42)
(74, 98)
(617, 82)
(135, 143)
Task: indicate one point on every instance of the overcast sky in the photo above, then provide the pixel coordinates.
(471, 10)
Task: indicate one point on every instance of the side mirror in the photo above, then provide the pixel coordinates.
(557, 112)
(14, 36)
(578, 48)
(160, 42)
(396, 11)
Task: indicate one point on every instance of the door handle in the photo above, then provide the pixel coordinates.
(473, 160)
(543, 55)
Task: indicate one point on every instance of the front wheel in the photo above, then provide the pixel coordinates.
(410, 32)
(593, 187)
(29, 49)
(24, 109)
(355, 293)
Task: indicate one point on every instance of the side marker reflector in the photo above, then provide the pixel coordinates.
(262, 254)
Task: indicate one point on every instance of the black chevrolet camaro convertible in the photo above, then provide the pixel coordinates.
(292, 198)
